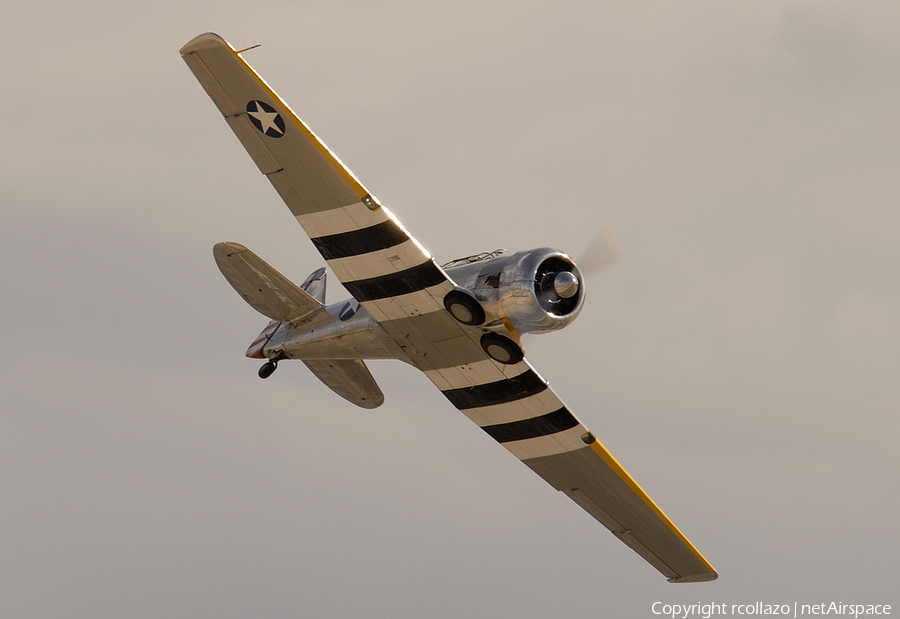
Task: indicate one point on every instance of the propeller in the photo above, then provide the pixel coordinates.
(602, 252)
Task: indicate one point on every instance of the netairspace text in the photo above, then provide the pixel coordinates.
(705, 611)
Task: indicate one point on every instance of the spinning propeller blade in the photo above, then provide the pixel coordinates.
(602, 252)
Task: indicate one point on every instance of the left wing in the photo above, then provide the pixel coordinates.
(523, 413)
(401, 287)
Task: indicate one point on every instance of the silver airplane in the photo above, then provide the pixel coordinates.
(460, 323)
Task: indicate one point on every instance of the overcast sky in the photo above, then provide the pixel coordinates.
(742, 362)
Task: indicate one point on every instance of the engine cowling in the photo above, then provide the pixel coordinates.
(541, 290)
(537, 291)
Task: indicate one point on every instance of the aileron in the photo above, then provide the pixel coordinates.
(602, 487)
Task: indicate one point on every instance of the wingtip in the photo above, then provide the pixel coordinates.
(370, 404)
(704, 577)
(207, 40)
(226, 249)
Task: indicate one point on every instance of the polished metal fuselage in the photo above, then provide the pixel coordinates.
(344, 330)
(503, 284)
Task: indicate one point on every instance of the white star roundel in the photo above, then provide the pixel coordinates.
(265, 118)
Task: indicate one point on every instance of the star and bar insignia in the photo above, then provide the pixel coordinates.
(265, 118)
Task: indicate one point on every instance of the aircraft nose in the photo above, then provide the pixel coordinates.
(565, 284)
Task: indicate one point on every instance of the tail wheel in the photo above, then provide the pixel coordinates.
(465, 308)
(267, 368)
(501, 348)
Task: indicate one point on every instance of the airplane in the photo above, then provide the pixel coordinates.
(461, 323)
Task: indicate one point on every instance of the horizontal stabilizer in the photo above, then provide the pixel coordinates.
(349, 378)
(266, 290)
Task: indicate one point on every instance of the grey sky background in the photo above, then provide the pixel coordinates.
(742, 361)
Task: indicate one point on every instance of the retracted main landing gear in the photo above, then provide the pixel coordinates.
(270, 366)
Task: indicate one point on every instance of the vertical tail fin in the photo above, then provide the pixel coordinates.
(315, 285)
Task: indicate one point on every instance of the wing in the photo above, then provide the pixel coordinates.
(373, 256)
(521, 412)
(401, 287)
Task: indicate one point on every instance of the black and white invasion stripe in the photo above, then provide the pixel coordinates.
(521, 412)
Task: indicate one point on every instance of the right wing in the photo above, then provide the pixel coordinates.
(365, 246)
(392, 276)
